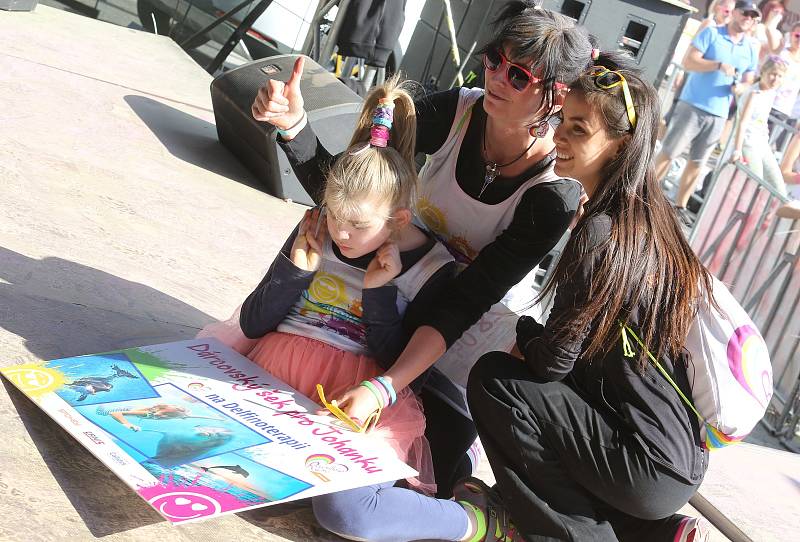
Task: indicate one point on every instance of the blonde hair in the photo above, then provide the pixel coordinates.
(386, 174)
(774, 63)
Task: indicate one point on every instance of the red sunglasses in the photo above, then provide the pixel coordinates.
(518, 77)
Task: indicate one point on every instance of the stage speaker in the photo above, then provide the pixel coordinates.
(332, 111)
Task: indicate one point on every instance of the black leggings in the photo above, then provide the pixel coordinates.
(450, 435)
(565, 470)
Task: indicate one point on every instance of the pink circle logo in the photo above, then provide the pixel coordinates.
(185, 505)
(748, 360)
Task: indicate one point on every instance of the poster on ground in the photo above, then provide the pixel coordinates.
(198, 430)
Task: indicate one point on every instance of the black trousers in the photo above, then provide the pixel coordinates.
(565, 470)
(450, 435)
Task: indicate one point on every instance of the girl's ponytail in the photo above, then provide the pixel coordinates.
(379, 162)
(403, 133)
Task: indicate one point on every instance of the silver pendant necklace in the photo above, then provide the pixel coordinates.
(493, 168)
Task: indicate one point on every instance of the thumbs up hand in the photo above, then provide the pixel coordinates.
(279, 103)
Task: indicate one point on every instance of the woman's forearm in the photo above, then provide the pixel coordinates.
(425, 347)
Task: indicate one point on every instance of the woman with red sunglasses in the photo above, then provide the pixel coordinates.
(488, 192)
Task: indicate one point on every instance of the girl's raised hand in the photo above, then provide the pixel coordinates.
(279, 103)
(384, 266)
(306, 250)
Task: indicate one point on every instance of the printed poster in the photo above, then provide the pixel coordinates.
(198, 430)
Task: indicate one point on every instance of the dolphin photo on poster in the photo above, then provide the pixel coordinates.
(197, 430)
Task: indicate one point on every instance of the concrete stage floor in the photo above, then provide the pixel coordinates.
(126, 223)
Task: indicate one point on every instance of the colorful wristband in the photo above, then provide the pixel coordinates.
(293, 126)
(384, 394)
(389, 389)
(371, 387)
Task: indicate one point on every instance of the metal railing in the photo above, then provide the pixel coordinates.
(756, 252)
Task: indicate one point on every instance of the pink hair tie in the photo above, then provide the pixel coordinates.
(595, 53)
(379, 135)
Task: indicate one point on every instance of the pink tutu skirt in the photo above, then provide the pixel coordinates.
(303, 363)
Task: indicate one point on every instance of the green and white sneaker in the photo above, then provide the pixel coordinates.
(493, 521)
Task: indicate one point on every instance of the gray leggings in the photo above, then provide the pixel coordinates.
(384, 513)
(762, 161)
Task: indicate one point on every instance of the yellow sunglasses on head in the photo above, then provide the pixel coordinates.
(351, 423)
(606, 79)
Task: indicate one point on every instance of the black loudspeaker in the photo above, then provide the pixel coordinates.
(649, 31)
(332, 111)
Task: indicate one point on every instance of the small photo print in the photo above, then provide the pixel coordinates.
(173, 429)
(101, 378)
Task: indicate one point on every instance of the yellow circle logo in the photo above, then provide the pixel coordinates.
(33, 380)
(328, 289)
(462, 246)
(432, 216)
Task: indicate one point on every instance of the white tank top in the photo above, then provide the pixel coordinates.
(466, 225)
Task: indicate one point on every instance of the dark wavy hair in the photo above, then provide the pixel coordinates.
(559, 50)
(646, 262)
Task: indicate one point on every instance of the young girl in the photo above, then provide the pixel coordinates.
(329, 312)
(587, 440)
(751, 144)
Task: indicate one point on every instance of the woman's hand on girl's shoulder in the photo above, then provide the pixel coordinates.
(306, 250)
(385, 266)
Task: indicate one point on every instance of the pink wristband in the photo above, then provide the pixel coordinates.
(384, 394)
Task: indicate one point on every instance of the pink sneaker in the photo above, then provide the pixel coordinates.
(693, 530)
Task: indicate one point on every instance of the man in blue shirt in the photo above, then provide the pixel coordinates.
(718, 58)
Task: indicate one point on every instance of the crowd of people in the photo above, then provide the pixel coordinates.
(742, 74)
(586, 439)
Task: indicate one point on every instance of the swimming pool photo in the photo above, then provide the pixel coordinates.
(173, 429)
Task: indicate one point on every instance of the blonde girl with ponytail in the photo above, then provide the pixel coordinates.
(326, 319)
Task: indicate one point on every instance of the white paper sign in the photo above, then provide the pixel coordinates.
(198, 430)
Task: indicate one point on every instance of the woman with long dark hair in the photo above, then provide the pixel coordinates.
(587, 440)
(488, 192)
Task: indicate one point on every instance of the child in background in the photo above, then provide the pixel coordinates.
(329, 312)
(752, 134)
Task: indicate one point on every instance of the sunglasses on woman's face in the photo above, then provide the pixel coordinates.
(606, 79)
(518, 76)
(351, 423)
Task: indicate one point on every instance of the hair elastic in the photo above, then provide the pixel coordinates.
(595, 53)
(361, 148)
(379, 135)
(382, 120)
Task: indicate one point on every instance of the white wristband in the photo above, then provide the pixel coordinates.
(292, 131)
